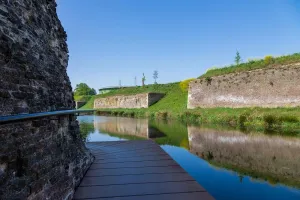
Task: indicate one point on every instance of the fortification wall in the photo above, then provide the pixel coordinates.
(131, 101)
(272, 87)
(43, 158)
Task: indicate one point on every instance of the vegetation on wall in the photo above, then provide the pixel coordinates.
(267, 62)
(184, 85)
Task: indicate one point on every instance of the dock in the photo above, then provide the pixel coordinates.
(136, 170)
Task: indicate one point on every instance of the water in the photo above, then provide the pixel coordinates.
(227, 163)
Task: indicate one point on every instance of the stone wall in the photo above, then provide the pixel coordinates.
(273, 87)
(131, 101)
(43, 158)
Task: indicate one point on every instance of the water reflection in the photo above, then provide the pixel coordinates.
(272, 158)
(128, 127)
(229, 164)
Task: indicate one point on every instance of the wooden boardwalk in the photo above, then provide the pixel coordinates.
(132, 170)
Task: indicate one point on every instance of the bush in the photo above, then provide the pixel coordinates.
(268, 60)
(269, 120)
(291, 119)
(185, 84)
(162, 115)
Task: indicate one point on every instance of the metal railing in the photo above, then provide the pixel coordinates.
(20, 117)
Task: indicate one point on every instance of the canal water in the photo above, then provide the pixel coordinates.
(229, 164)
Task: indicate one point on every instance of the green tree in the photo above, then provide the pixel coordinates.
(237, 58)
(83, 89)
(155, 76)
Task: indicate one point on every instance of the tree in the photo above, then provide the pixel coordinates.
(155, 76)
(237, 58)
(143, 80)
(83, 89)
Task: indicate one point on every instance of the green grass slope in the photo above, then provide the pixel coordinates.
(174, 102)
(267, 62)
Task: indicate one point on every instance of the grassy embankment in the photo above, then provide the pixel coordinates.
(267, 62)
(82, 98)
(174, 104)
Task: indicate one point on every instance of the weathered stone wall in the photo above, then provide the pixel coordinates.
(273, 87)
(131, 101)
(42, 158)
(260, 155)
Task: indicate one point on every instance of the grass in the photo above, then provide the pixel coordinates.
(285, 121)
(82, 98)
(268, 62)
(175, 99)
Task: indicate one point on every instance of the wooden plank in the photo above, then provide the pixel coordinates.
(124, 171)
(130, 154)
(159, 163)
(127, 149)
(126, 154)
(173, 196)
(142, 178)
(137, 189)
(132, 170)
(136, 159)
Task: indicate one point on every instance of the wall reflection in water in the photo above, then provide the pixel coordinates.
(273, 158)
(128, 126)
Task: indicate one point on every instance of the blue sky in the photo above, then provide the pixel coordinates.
(112, 40)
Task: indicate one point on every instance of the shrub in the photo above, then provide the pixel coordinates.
(162, 115)
(269, 120)
(268, 60)
(185, 84)
(291, 119)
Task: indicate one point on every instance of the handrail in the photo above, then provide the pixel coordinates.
(10, 118)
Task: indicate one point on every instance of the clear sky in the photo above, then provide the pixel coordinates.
(112, 40)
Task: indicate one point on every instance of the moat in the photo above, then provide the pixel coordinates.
(227, 163)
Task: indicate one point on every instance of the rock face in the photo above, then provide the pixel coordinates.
(132, 101)
(273, 87)
(43, 158)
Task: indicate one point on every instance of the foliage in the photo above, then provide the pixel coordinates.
(237, 58)
(82, 98)
(155, 76)
(185, 84)
(268, 60)
(252, 65)
(83, 89)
